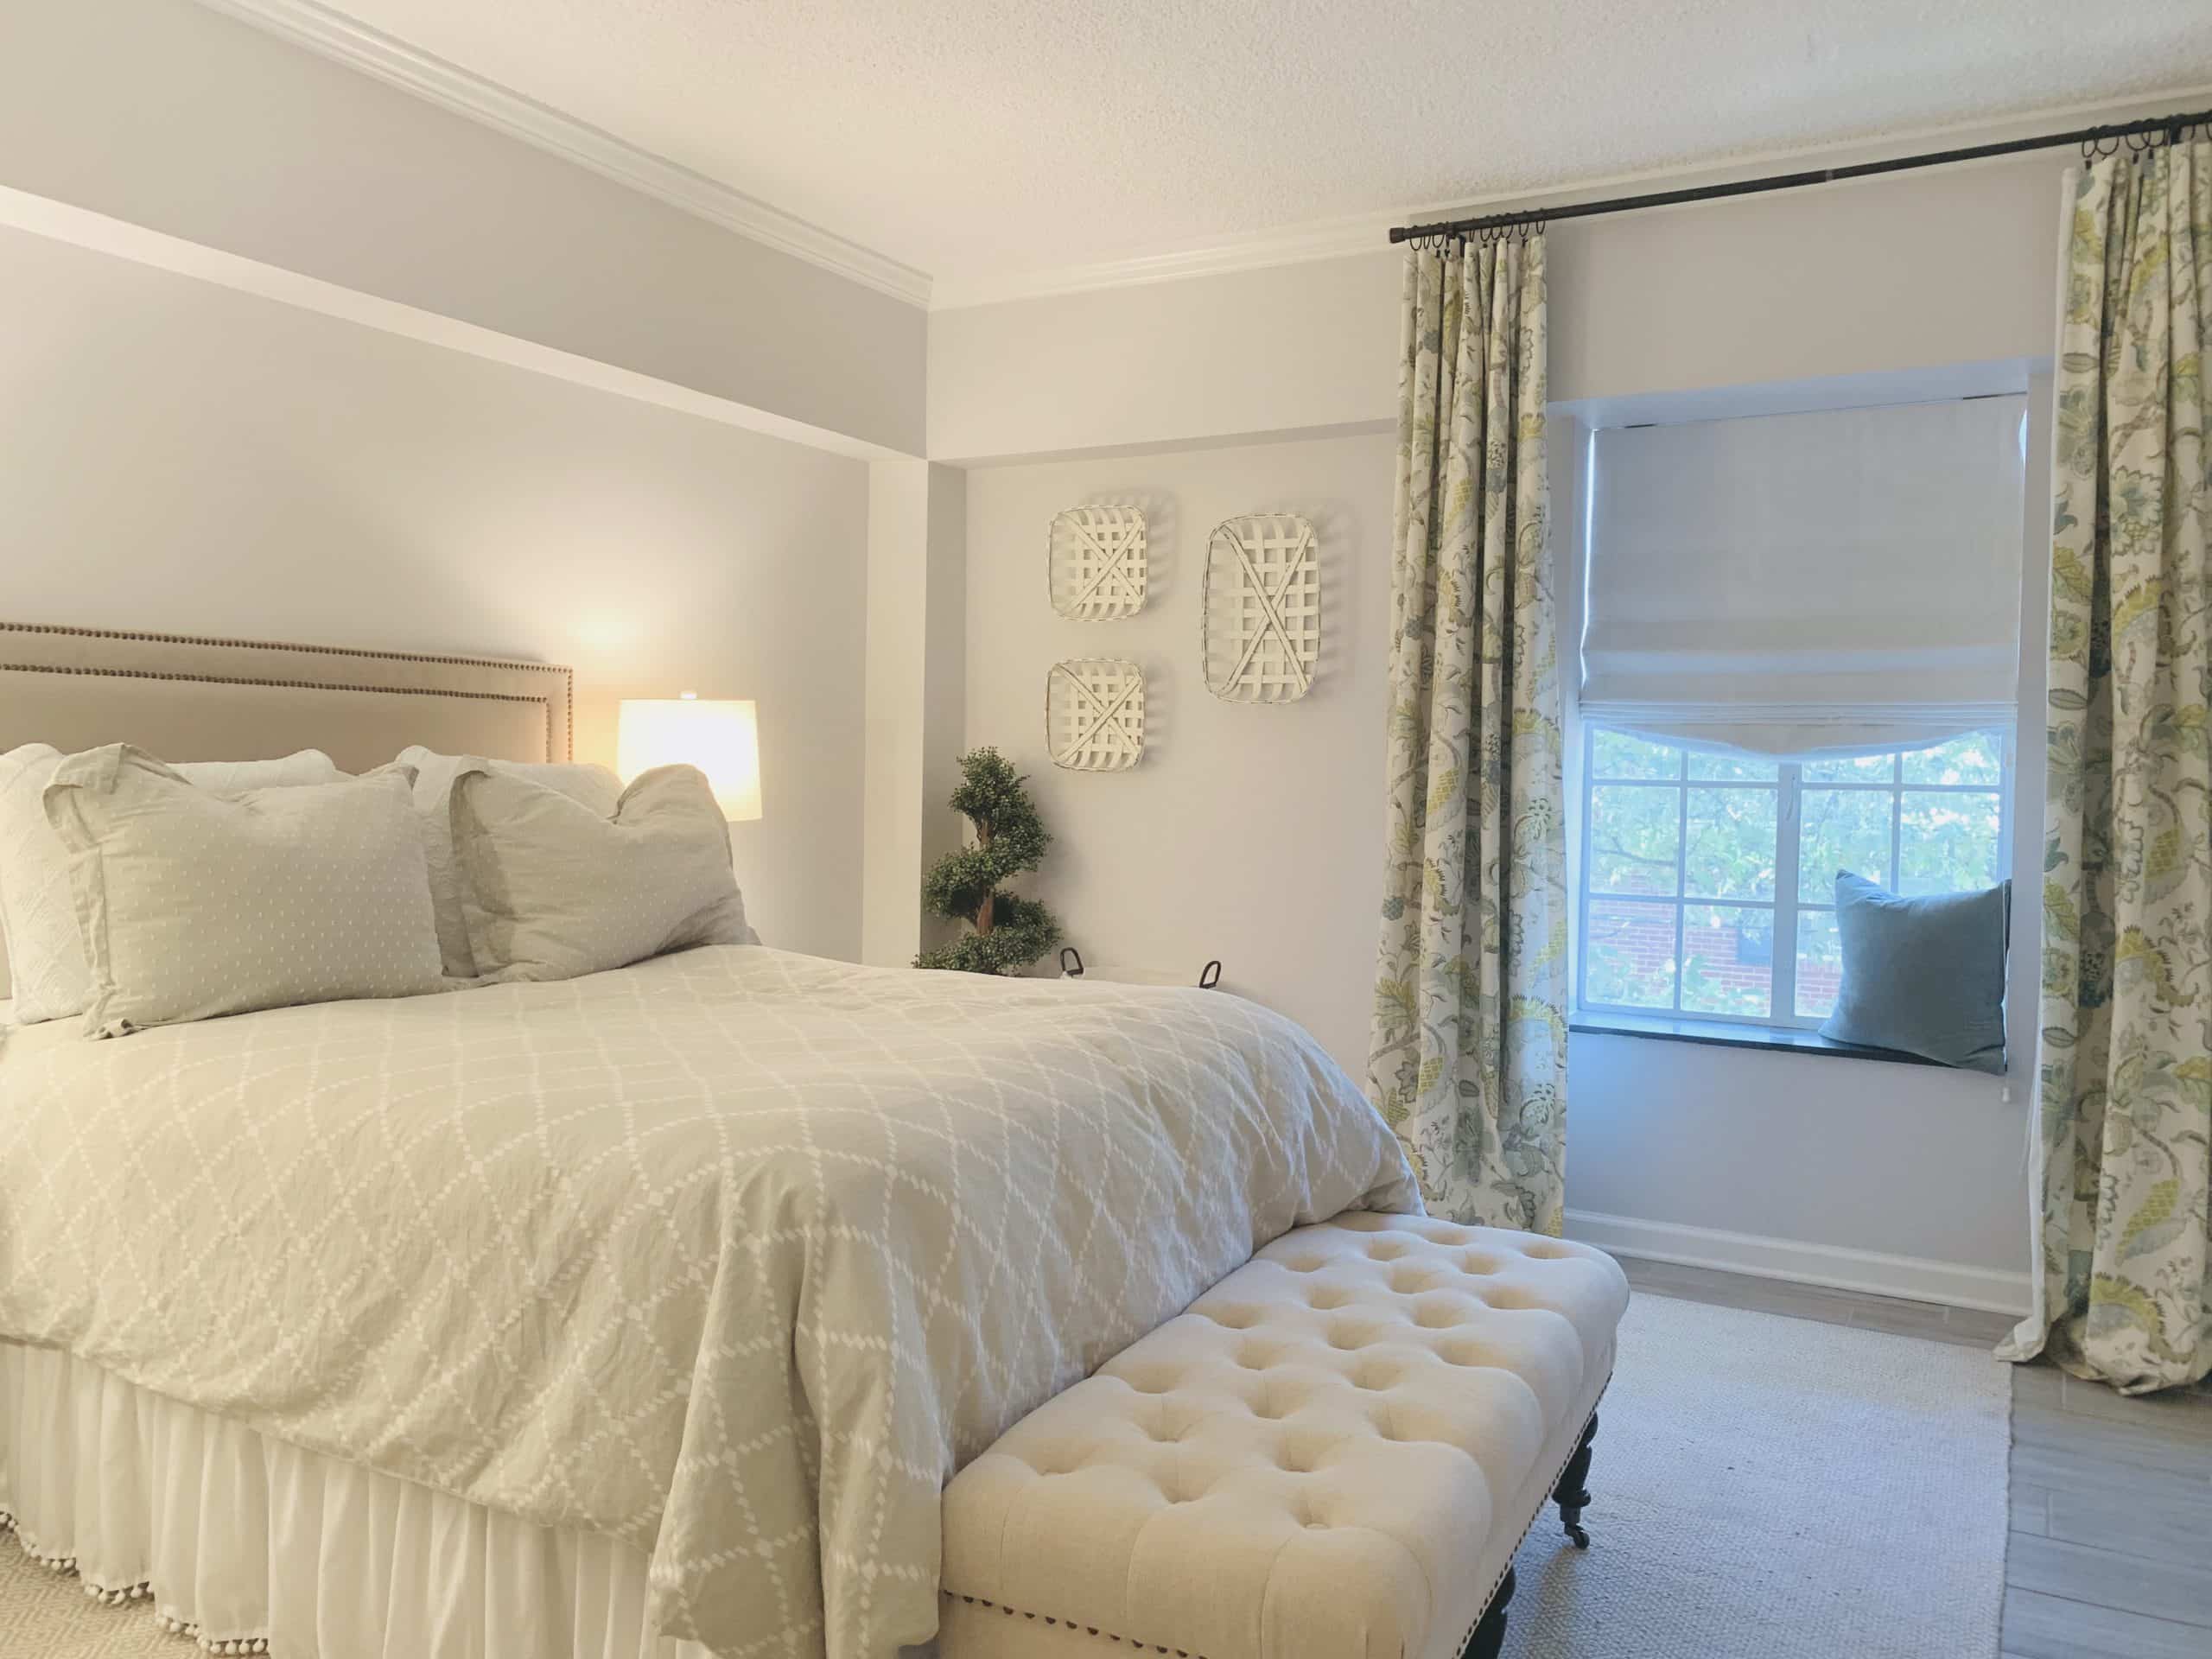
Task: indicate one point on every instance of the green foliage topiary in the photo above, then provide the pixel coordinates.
(1010, 933)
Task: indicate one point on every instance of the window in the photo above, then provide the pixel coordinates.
(1708, 879)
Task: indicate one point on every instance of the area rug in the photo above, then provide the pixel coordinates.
(1772, 1488)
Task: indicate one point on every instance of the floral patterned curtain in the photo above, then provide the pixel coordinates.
(1468, 1059)
(2125, 1089)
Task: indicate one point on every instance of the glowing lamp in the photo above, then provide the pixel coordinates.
(720, 736)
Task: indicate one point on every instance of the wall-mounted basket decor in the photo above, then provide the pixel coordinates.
(1098, 563)
(1260, 608)
(1094, 715)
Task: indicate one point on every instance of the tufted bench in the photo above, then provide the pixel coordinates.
(1333, 1453)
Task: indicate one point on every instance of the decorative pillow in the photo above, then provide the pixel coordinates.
(593, 786)
(1923, 975)
(38, 917)
(553, 889)
(193, 903)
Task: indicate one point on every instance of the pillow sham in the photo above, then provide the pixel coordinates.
(38, 917)
(553, 889)
(1924, 976)
(193, 903)
(589, 785)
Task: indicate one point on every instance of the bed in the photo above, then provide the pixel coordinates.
(644, 1314)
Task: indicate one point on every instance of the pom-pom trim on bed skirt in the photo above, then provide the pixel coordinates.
(242, 1644)
(46, 1558)
(123, 1595)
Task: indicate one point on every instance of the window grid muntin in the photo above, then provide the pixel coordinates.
(1692, 786)
(1789, 785)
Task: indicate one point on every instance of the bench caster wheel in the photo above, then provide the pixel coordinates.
(1569, 1494)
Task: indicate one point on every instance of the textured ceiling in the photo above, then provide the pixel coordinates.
(976, 138)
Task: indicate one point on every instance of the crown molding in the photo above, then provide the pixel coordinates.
(371, 52)
(1332, 238)
(331, 34)
(1369, 233)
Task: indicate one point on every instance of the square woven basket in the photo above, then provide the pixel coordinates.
(1094, 715)
(1097, 562)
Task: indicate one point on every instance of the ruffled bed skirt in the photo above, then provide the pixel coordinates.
(255, 1547)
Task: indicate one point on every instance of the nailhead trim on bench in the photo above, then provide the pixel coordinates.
(1466, 1635)
(1088, 1630)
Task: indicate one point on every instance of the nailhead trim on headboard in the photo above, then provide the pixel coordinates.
(568, 674)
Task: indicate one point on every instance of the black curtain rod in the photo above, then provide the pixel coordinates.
(2171, 126)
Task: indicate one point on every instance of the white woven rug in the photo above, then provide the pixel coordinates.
(1765, 1488)
(1771, 1488)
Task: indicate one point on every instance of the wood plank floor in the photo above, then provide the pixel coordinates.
(2110, 1555)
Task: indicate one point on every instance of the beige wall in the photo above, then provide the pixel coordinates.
(183, 457)
(1250, 834)
(1908, 271)
(1292, 348)
(164, 114)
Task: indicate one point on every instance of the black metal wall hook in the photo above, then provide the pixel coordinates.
(1071, 968)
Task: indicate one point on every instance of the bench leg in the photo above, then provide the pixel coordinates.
(1570, 1494)
(1489, 1635)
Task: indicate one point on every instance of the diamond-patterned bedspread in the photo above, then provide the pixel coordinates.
(736, 1254)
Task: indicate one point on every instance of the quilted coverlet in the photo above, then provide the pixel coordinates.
(735, 1254)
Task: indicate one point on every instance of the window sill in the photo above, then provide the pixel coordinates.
(1719, 1034)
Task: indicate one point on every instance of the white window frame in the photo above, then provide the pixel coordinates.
(1786, 906)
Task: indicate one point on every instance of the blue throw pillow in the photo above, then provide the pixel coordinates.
(1924, 976)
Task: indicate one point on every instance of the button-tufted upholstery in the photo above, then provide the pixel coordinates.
(1333, 1453)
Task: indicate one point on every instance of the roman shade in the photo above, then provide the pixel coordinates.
(1836, 582)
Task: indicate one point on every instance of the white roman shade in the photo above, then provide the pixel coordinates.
(1839, 580)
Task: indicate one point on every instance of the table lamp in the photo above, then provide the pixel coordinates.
(720, 736)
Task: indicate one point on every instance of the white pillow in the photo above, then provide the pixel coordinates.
(553, 889)
(38, 917)
(194, 903)
(594, 786)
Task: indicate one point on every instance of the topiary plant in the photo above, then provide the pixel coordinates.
(1010, 933)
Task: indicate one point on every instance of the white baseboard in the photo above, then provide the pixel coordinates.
(1985, 1289)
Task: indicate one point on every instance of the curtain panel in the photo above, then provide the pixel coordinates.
(1468, 1058)
(2120, 1161)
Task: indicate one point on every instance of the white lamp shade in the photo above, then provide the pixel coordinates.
(720, 736)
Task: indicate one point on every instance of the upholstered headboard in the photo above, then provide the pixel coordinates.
(184, 698)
